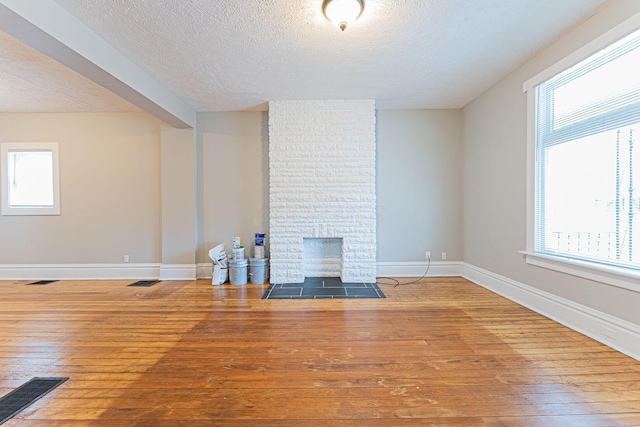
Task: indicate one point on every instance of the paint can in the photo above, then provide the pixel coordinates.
(258, 271)
(258, 252)
(238, 272)
(238, 253)
(236, 242)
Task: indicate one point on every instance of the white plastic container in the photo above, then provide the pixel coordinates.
(258, 270)
(238, 272)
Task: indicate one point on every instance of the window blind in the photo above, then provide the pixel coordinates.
(587, 122)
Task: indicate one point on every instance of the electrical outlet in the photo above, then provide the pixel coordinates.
(126, 258)
(427, 255)
(444, 256)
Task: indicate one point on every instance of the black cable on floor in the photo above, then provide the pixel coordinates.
(395, 282)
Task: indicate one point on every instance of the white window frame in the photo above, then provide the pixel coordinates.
(613, 275)
(5, 148)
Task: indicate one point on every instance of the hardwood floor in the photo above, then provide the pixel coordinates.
(440, 352)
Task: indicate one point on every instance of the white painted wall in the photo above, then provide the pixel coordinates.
(494, 179)
(109, 185)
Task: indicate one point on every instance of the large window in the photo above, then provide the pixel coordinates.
(30, 184)
(586, 203)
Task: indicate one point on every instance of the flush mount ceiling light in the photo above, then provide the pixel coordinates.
(342, 12)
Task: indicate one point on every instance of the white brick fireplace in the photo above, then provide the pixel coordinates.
(322, 185)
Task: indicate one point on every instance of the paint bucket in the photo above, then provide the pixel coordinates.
(238, 272)
(258, 252)
(258, 270)
(238, 253)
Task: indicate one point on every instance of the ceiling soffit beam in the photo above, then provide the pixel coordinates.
(49, 28)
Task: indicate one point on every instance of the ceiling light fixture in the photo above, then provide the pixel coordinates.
(342, 12)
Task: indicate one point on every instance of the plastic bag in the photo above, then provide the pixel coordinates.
(219, 268)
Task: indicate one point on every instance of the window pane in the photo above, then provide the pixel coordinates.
(605, 89)
(30, 178)
(590, 202)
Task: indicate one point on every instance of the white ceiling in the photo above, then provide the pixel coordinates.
(33, 82)
(230, 55)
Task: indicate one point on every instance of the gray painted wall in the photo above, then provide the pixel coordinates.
(494, 178)
(125, 180)
(109, 187)
(415, 148)
(178, 185)
(419, 185)
(233, 178)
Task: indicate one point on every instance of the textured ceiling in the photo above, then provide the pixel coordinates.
(227, 55)
(32, 82)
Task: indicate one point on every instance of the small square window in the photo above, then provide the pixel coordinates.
(30, 179)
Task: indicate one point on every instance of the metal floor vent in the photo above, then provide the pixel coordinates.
(42, 282)
(145, 283)
(25, 395)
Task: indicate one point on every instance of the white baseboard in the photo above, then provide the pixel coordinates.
(611, 331)
(78, 271)
(203, 270)
(417, 269)
(178, 272)
(97, 271)
(388, 269)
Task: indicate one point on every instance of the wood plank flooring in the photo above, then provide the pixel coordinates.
(439, 352)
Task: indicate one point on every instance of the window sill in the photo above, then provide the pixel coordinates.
(616, 276)
(11, 211)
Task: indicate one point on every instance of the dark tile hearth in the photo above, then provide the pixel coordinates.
(323, 287)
